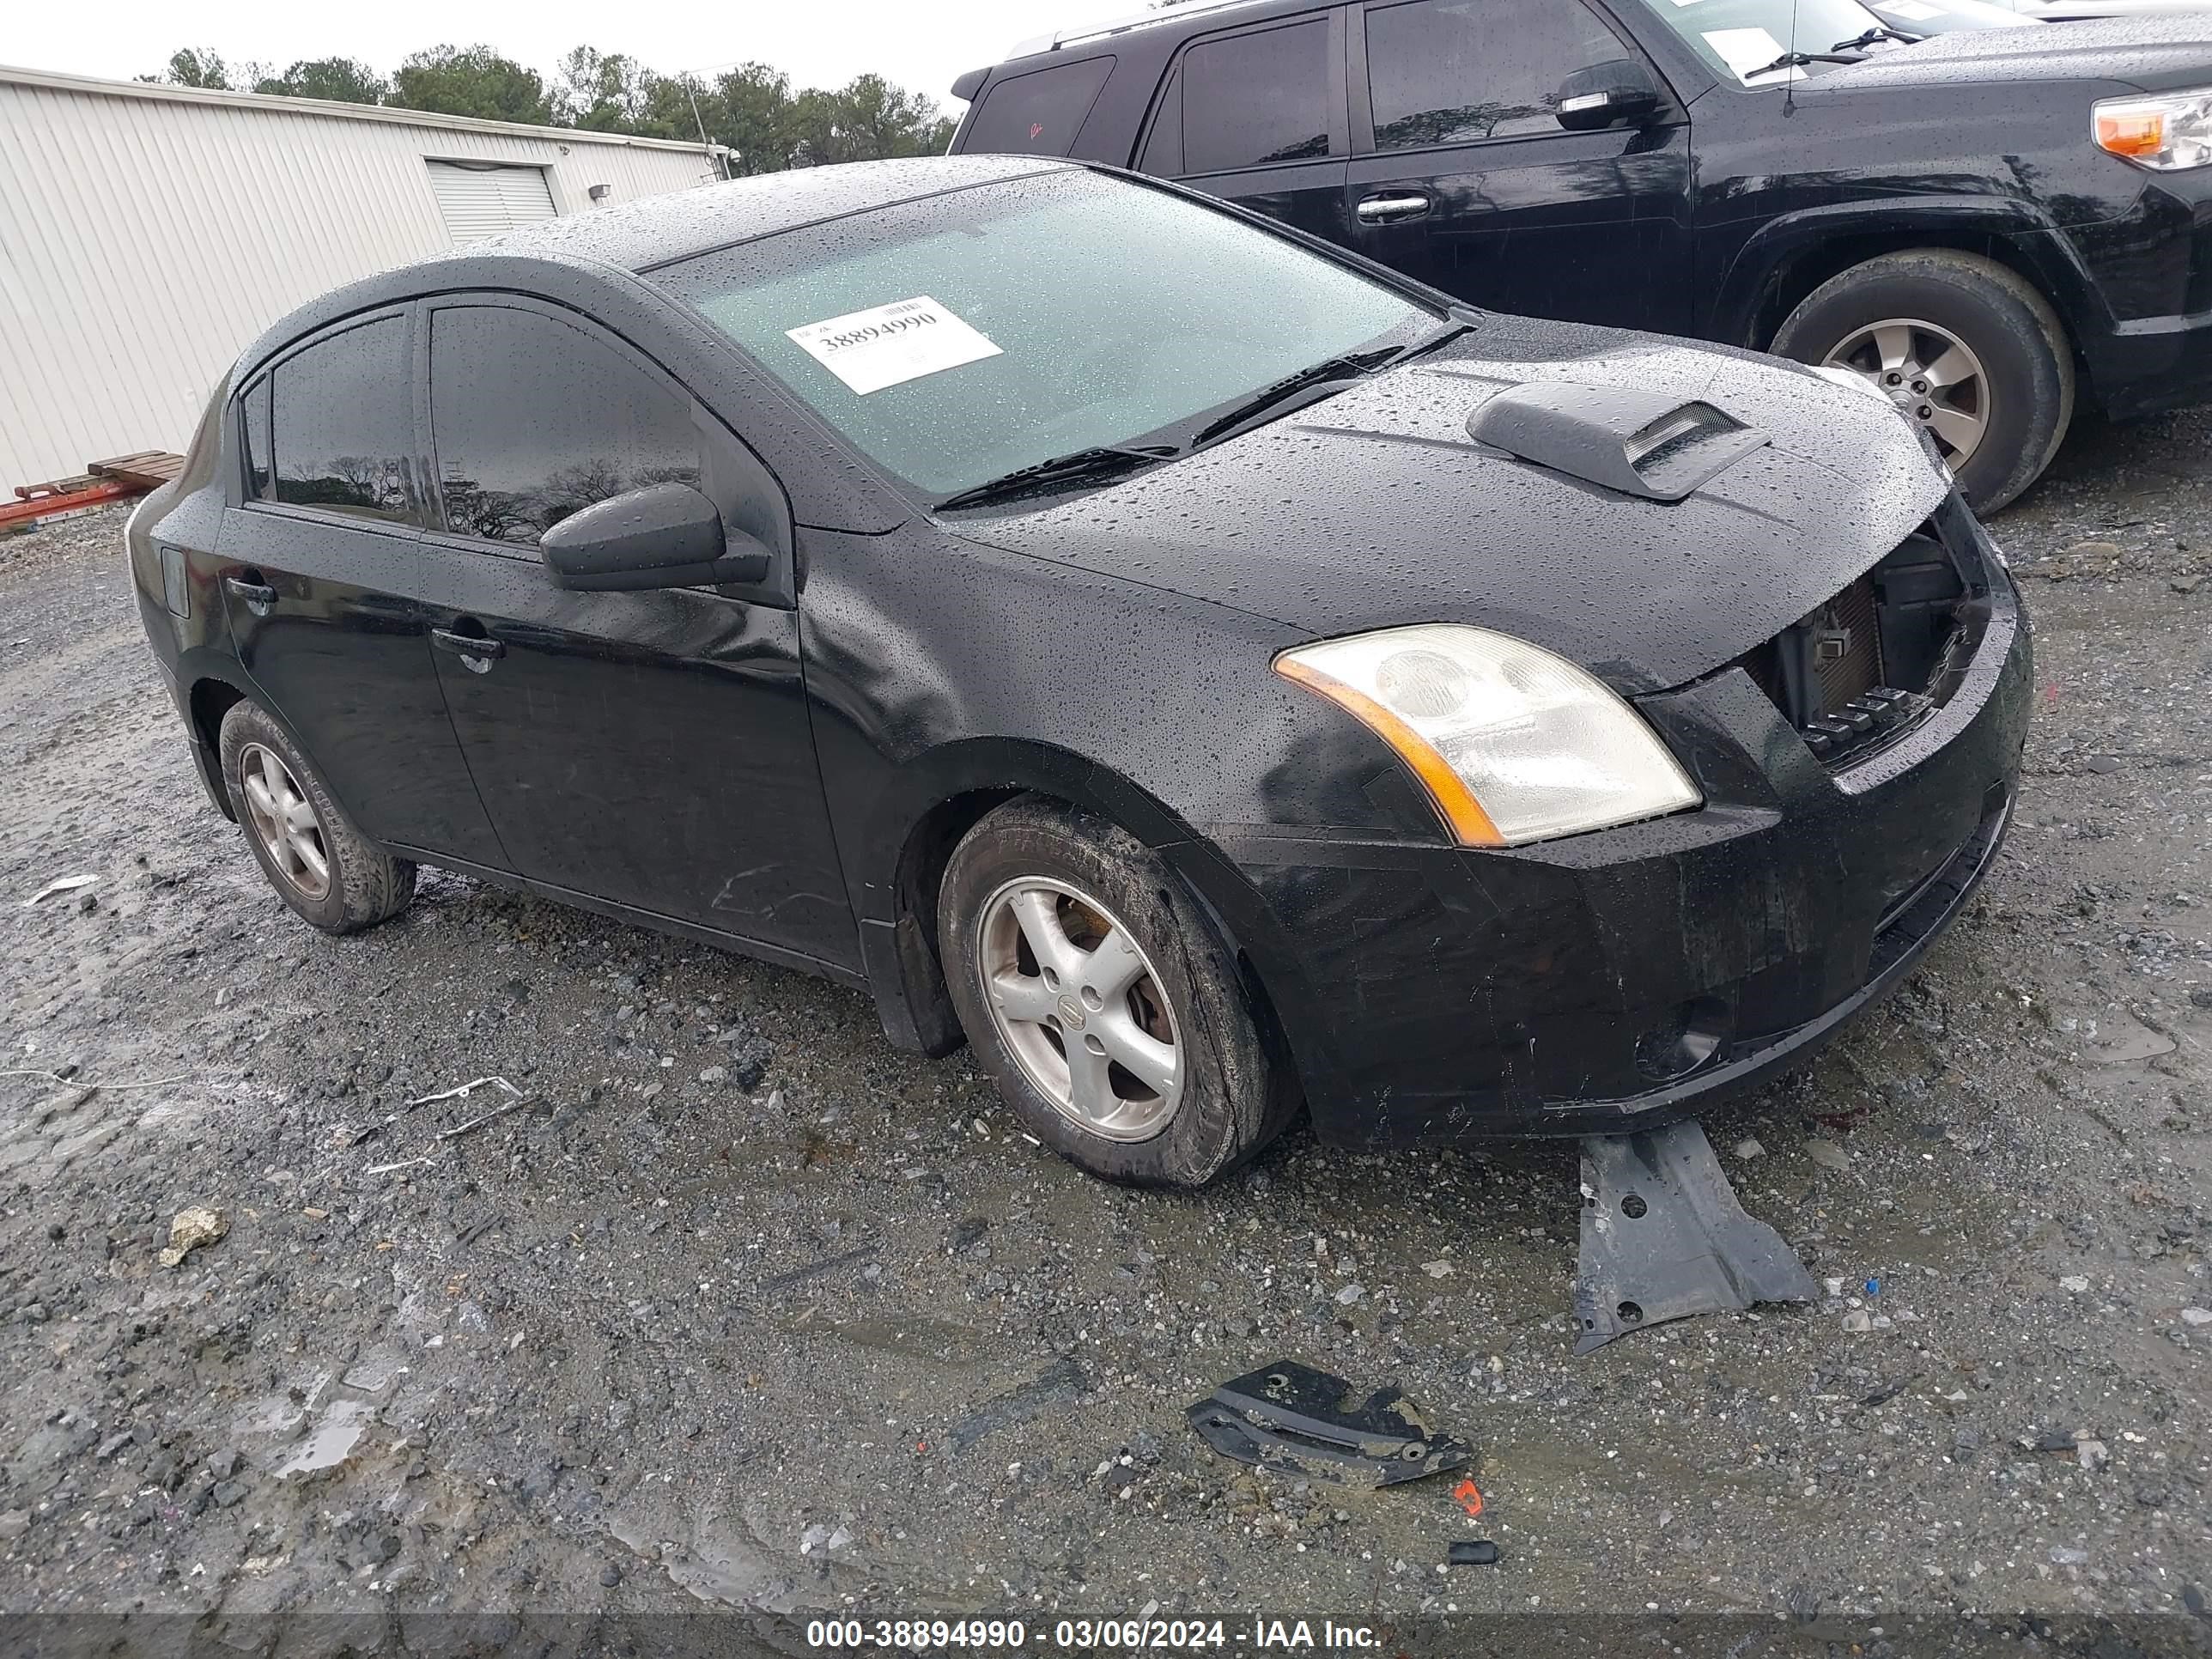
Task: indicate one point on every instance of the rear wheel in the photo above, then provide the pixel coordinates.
(1095, 992)
(1967, 349)
(318, 862)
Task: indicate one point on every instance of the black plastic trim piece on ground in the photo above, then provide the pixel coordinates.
(1663, 1237)
(1291, 1416)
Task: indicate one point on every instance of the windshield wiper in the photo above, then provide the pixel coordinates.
(1879, 32)
(1799, 59)
(1348, 367)
(1099, 461)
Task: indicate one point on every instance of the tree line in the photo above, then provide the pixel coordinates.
(752, 108)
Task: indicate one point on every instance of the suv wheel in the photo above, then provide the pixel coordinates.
(1097, 994)
(1964, 347)
(318, 862)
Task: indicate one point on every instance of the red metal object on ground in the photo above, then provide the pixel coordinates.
(32, 507)
(110, 480)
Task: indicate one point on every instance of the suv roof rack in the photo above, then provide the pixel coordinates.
(1140, 20)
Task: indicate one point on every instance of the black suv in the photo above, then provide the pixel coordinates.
(1990, 225)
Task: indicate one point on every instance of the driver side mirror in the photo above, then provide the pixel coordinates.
(665, 535)
(1607, 94)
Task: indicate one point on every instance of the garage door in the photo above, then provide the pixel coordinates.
(483, 201)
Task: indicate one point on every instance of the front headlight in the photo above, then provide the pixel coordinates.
(1512, 744)
(2168, 131)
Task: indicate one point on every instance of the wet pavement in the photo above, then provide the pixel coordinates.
(746, 1310)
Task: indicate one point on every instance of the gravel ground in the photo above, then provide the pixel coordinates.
(744, 1309)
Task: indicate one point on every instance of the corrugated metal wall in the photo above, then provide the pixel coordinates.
(145, 239)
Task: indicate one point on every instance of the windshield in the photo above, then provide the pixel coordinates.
(1927, 17)
(963, 336)
(1740, 39)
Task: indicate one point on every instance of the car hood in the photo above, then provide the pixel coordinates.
(1376, 508)
(2153, 52)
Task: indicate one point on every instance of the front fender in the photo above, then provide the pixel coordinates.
(1761, 265)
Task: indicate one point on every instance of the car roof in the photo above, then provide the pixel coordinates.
(638, 235)
(1214, 12)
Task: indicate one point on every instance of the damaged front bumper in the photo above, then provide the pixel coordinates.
(1619, 980)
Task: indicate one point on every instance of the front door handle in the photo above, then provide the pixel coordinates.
(475, 650)
(1389, 210)
(260, 598)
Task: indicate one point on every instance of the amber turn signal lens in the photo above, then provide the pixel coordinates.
(2134, 134)
(1454, 801)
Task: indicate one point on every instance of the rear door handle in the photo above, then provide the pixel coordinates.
(475, 650)
(259, 597)
(1389, 208)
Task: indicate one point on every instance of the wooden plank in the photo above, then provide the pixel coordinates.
(150, 469)
(52, 487)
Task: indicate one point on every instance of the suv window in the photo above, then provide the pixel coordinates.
(1459, 71)
(1038, 113)
(533, 420)
(345, 424)
(1252, 100)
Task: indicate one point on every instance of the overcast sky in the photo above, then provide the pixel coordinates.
(817, 42)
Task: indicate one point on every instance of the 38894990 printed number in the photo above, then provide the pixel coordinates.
(888, 327)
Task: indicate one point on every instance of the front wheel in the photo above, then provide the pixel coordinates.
(1095, 992)
(1967, 349)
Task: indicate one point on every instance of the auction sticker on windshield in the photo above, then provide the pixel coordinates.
(884, 345)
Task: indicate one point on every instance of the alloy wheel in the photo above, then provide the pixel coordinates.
(1080, 1007)
(284, 821)
(1931, 376)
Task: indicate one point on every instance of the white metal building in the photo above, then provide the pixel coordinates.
(149, 233)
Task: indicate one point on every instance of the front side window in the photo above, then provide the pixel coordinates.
(1038, 113)
(1256, 99)
(344, 425)
(959, 338)
(1460, 71)
(533, 420)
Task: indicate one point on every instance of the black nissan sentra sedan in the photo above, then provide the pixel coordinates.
(1203, 671)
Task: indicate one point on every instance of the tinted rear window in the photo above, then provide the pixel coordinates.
(1255, 100)
(257, 440)
(345, 424)
(1038, 113)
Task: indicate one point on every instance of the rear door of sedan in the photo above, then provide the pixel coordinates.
(330, 592)
(649, 749)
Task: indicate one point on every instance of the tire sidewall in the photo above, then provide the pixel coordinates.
(1226, 1071)
(2030, 385)
(247, 724)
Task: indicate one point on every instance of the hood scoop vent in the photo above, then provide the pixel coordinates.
(1640, 443)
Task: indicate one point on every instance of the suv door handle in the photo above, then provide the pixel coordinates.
(259, 597)
(475, 650)
(1389, 208)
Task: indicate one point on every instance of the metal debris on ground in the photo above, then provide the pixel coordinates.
(1663, 1237)
(460, 1091)
(59, 884)
(521, 1101)
(200, 1224)
(1290, 1417)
